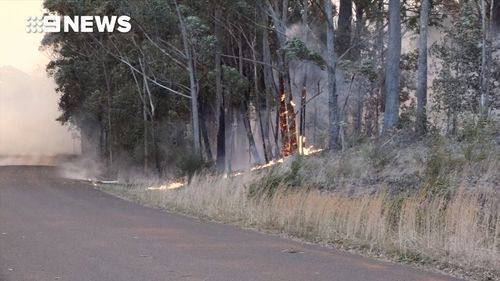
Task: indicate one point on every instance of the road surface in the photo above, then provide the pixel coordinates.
(58, 229)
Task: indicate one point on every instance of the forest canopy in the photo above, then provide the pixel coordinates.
(239, 83)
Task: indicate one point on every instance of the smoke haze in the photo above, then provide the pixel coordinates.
(28, 109)
(28, 102)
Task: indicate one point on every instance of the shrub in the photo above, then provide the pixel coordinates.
(190, 164)
(267, 185)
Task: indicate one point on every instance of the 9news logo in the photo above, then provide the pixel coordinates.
(51, 23)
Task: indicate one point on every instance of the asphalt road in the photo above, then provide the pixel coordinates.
(59, 229)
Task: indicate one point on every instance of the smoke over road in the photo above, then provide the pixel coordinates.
(28, 112)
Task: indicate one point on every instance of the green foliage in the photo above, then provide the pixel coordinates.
(479, 139)
(237, 84)
(345, 167)
(457, 85)
(436, 170)
(294, 178)
(140, 126)
(378, 156)
(296, 49)
(267, 185)
(275, 178)
(190, 163)
(440, 165)
(368, 69)
(113, 109)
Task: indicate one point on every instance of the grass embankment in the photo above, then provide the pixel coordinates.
(433, 203)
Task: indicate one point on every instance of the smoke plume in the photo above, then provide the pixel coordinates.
(28, 112)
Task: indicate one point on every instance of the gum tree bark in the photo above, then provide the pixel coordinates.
(344, 26)
(331, 62)
(393, 72)
(270, 86)
(486, 55)
(221, 134)
(421, 123)
(193, 83)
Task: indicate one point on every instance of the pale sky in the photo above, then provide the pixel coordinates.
(19, 48)
(28, 109)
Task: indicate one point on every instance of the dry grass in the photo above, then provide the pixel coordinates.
(462, 231)
(449, 220)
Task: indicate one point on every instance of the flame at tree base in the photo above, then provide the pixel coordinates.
(305, 151)
(169, 186)
(182, 183)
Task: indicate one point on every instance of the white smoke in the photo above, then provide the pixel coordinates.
(28, 112)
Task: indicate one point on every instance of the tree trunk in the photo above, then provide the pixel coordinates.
(230, 134)
(495, 5)
(156, 148)
(277, 127)
(302, 116)
(193, 83)
(204, 133)
(379, 94)
(393, 73)
(270, 86)
(358, 115)
(221, 140)
(280, 19)
(344, 26)
(221, 137)
(331, 62)
(261, 107)
(142, 97)
(421, 122)
(109, 138)
(360, 27)
(263, 116)
(483, 80)
(145, 137)
(251, 139)
(485, 58)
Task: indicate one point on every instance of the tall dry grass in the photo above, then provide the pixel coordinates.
(461, 229)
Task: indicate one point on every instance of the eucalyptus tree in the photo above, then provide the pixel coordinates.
(331, 64)
(488, 30)
(220, 108)
(421, 122)
(393, 73)
(344, 32)
(457, 86)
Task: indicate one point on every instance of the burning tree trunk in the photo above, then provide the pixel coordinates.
(292, 124)
(287, 121)
(283, 120)
(302, 119)
(279, 13)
